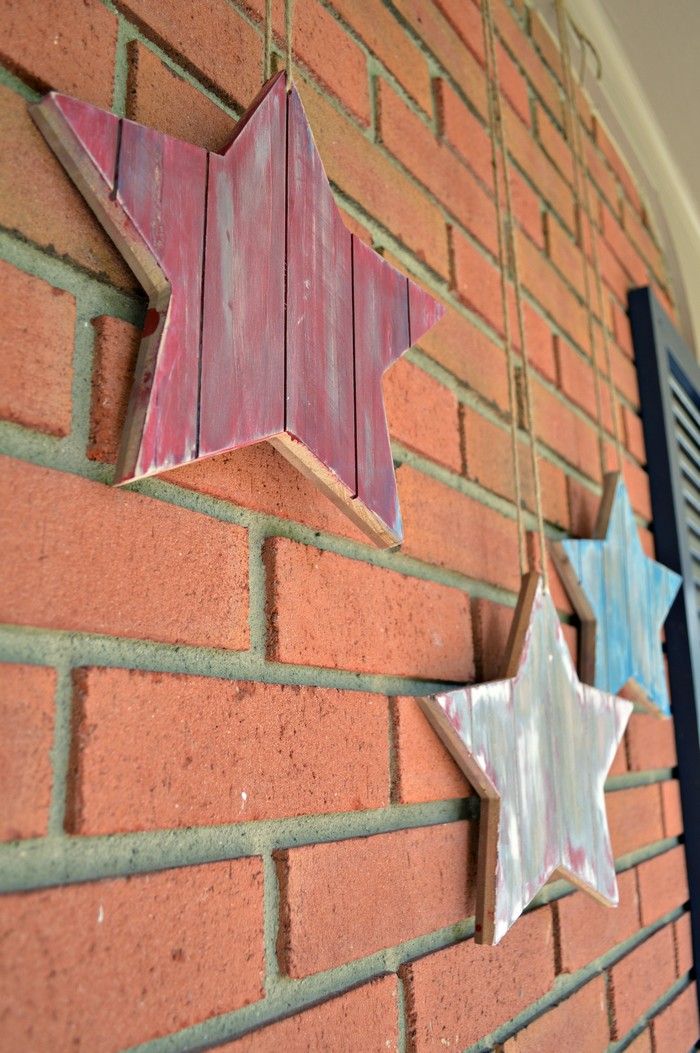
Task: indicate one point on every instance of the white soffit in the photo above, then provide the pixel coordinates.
(650, 55)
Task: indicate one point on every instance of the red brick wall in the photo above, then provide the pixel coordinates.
(225, 822)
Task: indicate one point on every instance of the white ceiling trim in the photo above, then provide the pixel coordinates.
(626, 98)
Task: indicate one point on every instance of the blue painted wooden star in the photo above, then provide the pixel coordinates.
(626, 596)
(537, 747)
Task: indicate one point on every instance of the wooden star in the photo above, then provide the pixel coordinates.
(622, 598)
(537, 747)
(267, 319)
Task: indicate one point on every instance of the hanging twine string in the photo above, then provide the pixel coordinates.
(288, 16)
(581, 178)
(507, 250)
(267, 47)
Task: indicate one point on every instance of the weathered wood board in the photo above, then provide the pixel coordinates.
(537, 747)
(622, 598)
(264, 319)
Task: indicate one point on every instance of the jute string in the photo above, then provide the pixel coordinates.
(507, 252)
(267, 47)
(583, 205)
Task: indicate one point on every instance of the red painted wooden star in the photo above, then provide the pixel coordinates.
(537, 747)
(268, 319)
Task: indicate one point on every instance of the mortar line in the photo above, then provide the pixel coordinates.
(666, 999)
(271, 921)
(568, 984)
(257, 593)
(66, 859)
(61, 747)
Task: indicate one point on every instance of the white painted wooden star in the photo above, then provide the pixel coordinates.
(537, 747)
(622, 598)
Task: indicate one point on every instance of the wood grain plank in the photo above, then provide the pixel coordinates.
(320, 381)
(96, 130)
(381, 337)
(243, 335)
(162, 188)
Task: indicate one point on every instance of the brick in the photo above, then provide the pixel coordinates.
(623, 248)
(640, 978)
(489, 457)
(72, 52)
(218, 46)
(38, 200)
(256, 477)
(671, 808)
(678, 1025)
(466, 20)
(115, 351)
(527, 58)
(565, 253)
(684, 945)
(36, 353)
(634, 434)
(83, 557)
(109, 964)
(479, 543)
(344, 900)
(467, 352)
(423, 414)
(586, 929)
(361, 170)
(641, 1044)
(456, 996)
(531, 158)
(383, 36)
(157, 751)
(441, 38)
(329, 611)
(644, 240)
(554, 144)
(512, 85)
(477, 281)
(543, 282)
(546, 44)
(622, 329)
(577, 381)
(583, 505)
(538, 337)
(492, 622)
(423, 768)
(414, 144)
(637, 483)
(625, 376)
(610, 152)
(526, 207)
(26, 737)
(577, 1025)
(651, 743)
(634, 818)
(159, 98)
(619, 764)
(465, 132)
(663, 884)
(612, 273)
(327, 50)
(601, 175)
(560, 428)
(365, 1018)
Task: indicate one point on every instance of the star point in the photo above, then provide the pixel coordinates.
(537, 747)
(268, 320)
(623, 599)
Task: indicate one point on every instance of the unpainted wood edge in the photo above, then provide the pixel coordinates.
(489, 818)
(566, 875)
(632, 691)
(306, 462)
(581, 604)
(520, 624)
(610, 481)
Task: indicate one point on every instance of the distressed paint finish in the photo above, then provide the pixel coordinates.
(622, 598)
(253, 331)
(537, 747)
